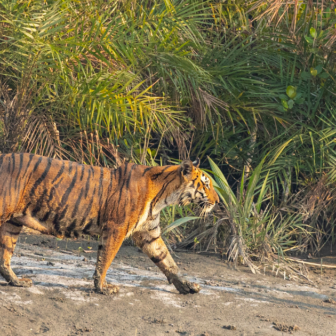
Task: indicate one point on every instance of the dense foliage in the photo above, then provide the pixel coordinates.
(249, 84)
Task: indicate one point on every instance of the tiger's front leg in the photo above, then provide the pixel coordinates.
(110, 242)
(151, 243)
(9, 233)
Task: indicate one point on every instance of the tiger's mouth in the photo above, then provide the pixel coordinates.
(207, 208)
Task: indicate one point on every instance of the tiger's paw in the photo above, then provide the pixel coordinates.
(185, 287)
(23, 282)
(108, 289)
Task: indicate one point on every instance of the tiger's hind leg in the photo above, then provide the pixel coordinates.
(9, 233)
(151, 243)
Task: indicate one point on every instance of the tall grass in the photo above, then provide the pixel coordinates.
(249, 84)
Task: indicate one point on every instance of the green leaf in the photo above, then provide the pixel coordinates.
(313, 32)
(291, 91)
(309, 39)
(290, 103)
(324, 75)
(251, 187)
(313, 72)
(177, 223)
(283, 96)
(262, 192)
(305, 75)
(319, 68)
(298, 96)
(222, 183)
(284, 103)
(300, 101)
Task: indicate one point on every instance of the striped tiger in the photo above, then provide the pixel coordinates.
(66, 199)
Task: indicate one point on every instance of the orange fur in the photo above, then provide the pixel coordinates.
(63, 198)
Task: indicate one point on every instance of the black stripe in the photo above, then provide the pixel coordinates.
(137, 222)
(10, 181)
(171, 173)
(18, 177)
(110, 185)
(53, 190)
(81, 178)
(68, 191)
(60, 172)
(198, 185)
(155, 176)
(63, 213)
(24, 211)
(58, 218)
(75, 209)
(146, 170)
(87, 185)
(6, 248)
(159, 258)
(1, 159)
(70, 166)
(118, 171)
(147, 242)
(28, 165)
(98, 217)
(41, 178)
(46, 216)
(71, 227)
(14, 224)
(9, 166)
(121, 215)
(193, 182)
(122, 186)
(125, 170)
(159, 194)
(200, 192)
(37, 164)
(21, 163)
(87, 226)
(188, 194)
(129, 176)
(13, 158)
(88, 209)
(39, 202)
(100, 188)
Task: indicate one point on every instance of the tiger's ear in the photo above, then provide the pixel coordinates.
(196, 163)
(186, 167)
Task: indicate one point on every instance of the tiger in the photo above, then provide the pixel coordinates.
(67, 199)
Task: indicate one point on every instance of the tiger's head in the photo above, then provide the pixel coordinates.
(197, 187)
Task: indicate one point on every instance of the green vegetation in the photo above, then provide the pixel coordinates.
(249, 84)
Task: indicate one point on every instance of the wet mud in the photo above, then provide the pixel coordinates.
(231, 302)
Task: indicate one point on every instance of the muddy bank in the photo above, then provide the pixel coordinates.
(62, 301)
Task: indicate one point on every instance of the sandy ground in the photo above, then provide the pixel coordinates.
(232, 302)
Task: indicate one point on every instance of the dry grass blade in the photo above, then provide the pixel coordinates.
(95, 151)
(42, 137)
(14, 111)
(238, 249)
